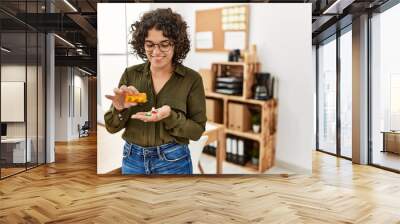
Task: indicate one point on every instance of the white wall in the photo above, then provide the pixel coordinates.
(283, 40)
(109, 150)
(66, 120)
(80, 83)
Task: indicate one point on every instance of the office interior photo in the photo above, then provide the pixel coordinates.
(241, 91)
(328, 136)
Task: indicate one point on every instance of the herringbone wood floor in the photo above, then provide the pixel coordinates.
(69, 191)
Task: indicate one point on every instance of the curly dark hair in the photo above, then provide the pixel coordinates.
(170, 23)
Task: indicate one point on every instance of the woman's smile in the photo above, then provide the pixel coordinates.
(157, 59)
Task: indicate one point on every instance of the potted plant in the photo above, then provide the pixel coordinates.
(255, 121)
(255, 154)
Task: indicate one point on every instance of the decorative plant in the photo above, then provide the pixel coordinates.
(256, 119)
(254, 153)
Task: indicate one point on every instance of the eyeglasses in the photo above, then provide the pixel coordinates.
(164, 46)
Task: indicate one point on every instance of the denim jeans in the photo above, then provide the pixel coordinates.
(170, 158)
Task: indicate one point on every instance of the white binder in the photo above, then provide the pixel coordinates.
(234, 146)
(241, 147)
(228, 145)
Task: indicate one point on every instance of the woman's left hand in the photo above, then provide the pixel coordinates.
(154, 115)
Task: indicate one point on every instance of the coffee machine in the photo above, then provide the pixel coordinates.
(264, 86)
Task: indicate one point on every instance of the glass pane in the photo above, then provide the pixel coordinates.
(22, 79)
(394, 101)
(386, 89)
(346, 94)
(13, 86)
(31, 98)
(41, 99)
(327, 97)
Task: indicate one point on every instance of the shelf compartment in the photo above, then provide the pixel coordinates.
(214, 110)
(239, 69)
(239, 117)
(247, 134)
(237, 98)
(251, 166)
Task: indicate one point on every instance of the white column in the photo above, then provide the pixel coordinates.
(360, 90)
(50, 92)
(50, 108)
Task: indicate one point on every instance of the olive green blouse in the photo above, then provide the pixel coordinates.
(183, 92)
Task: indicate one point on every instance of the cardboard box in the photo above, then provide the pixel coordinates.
(214, 110)
(239, 117)
(208, 79)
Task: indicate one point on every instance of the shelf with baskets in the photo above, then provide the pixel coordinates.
(236, 111)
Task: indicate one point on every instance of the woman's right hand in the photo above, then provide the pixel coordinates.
(118, 100)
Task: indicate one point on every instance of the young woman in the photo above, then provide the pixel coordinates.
(157, 132)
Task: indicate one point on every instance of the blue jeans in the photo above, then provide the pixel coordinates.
(170, 158)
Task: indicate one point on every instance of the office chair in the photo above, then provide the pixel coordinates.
(84, 130)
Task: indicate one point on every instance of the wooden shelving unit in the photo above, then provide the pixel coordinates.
(247, 134)
(266, 138)
(238, 99)
(246, 69)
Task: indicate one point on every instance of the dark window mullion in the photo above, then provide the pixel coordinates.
(37, 91)
(44, 70)
(317, 95)
(26, 87)
(369, 89)
(338, 98)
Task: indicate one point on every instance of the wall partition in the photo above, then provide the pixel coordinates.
(327, 95)
(346, 76)
(334, 89)
(22, 87)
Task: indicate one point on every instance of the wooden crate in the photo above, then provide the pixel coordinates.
(238, 69)
(267, 137)
(239, 118)
(208, 79)
(214, 110)
(230, 116)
